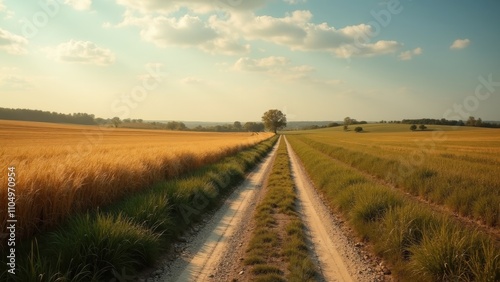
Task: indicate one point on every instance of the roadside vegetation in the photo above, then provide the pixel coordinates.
(277, 250)
(112, 242)
(422, 245)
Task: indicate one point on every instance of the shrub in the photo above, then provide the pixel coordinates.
(413, 127)
(358, 129)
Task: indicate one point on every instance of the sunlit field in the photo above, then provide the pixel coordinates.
(63, 169)
(428, 201)
(458, 168)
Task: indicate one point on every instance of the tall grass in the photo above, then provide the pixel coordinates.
(420, 244)
(131, 233)
(69, 169)
(471, 189)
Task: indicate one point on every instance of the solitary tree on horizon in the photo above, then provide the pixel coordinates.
(274, 120)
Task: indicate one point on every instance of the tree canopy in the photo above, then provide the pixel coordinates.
(274, 120)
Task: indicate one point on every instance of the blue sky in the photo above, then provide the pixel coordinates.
(226, 60)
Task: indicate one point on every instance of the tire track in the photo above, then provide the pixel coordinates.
(337, 257)
(210, 244)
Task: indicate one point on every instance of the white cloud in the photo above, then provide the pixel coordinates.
(83, 52)
(460, 44)
(268, 64)
(279, 67)
(408, 55)
(298, 33)
(186, 31)
(230, 33)
(12, 43)
(378, 48)
(226, 46)
(79, 4)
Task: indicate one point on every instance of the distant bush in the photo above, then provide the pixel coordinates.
(413, 127)
(422, 127)
(358, 129)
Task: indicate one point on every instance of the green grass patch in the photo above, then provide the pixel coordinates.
(268, 244)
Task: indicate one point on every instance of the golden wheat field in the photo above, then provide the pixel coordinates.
(62, 169)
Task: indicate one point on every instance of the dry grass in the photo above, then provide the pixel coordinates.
(62, 169)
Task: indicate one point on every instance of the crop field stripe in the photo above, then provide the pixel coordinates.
(419, 243)
(494, 232)
(458, 195)
(279, 233)
(125, 237)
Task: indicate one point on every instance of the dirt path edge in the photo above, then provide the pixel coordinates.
(205, 252)
(339, 256)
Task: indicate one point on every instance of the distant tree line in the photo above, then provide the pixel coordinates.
(235, 127)
(314, 126)
(89, 119)
(309, 127)
(178, 125)
(433, 121)
(472, 121)
(43, 116)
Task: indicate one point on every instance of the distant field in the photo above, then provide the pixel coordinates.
(427, 201)
(64, 168)
(457, 167)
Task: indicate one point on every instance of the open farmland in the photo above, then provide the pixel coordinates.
(62, 169)
(456, 168)
(428, 201)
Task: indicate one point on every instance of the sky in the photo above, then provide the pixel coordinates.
(227, 60)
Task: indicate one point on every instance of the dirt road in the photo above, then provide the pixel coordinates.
(338, 258)
(204, 252)
(214, 252)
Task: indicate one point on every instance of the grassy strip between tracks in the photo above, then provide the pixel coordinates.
(277, 250)
(422, 245)
(115, 242)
